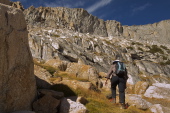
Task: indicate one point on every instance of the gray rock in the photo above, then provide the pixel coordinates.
(138, 102)
(69, 106)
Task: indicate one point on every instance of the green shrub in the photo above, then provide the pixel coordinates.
(165, 58)
(165, 63)
(131, 48)
(136, 43)
(108, 42)
(140, 49)
(164, 47)
(55, 35)
(155, 49)
(50, 69)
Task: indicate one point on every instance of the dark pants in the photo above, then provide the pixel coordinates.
(121, 82)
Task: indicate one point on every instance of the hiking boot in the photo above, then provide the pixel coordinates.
(113, 100)
(122, 106)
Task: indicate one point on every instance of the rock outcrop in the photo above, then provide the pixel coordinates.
(17, 80)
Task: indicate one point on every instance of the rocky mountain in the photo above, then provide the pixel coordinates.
(17, 80)
(144, 63)
(79, 20)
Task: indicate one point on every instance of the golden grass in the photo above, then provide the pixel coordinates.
(50, 69)
(69, 76)
(98, 103)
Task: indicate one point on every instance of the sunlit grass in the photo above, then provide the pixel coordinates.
(69, 76)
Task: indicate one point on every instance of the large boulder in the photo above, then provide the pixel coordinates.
(42, 77)
(159, 91)
(84, 71)
(17, 83)
(138, 102)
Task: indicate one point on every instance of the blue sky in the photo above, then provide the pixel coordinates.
(128, 12)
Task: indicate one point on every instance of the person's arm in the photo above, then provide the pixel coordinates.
(109, 73)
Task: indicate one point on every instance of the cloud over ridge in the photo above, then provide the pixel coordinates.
(98, 5)
(63, 4)
(141, 8)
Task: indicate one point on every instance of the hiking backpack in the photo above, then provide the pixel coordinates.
(120, 69)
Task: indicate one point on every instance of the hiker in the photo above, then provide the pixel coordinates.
(119, 80)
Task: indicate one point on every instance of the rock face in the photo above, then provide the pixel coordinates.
(75, 19)
(17, 83)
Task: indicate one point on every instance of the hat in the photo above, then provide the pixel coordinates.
(115, 61)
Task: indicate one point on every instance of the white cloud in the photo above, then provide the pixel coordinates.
(141, 8)
(98, 5)
(64, 4)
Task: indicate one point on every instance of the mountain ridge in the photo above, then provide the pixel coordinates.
(79, 20)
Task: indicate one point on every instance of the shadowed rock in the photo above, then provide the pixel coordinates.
(17, 83)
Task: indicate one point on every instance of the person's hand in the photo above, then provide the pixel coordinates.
(106, 81)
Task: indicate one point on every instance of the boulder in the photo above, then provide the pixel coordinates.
(46, 104)
(157, 108)
(69, 106)
(17, 83)
(159, 91)
(84, 71)
(138, 102)
(79, 99)
(42, 77)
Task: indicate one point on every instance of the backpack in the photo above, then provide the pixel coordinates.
(120, 69)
